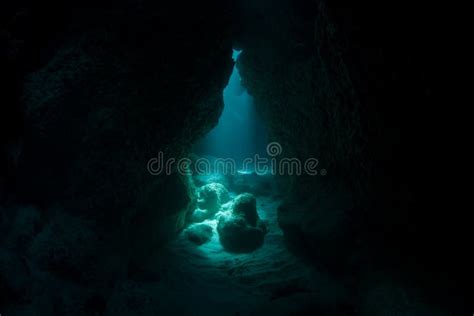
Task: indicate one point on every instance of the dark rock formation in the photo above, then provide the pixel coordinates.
(355, 85)
(241, 229)
(105, 90)
(15, 279)
(67, 246)
(245, 205)
(199, 233)
(295, 70)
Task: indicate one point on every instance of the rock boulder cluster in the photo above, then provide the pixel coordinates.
(239, 226)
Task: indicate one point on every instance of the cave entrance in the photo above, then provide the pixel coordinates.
(240, 133)
(230, 189)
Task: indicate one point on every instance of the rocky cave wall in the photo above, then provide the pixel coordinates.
(302, 87)
(95, 89)
(355, 85)
(101, 89)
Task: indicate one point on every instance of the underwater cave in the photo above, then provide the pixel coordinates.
(248, 157)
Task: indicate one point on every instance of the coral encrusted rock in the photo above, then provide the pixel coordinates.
(241, 229)
(212, 196)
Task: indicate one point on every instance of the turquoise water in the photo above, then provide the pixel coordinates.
(240, 132)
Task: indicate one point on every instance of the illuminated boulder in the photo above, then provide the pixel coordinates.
(241, 230)
(212, 196)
